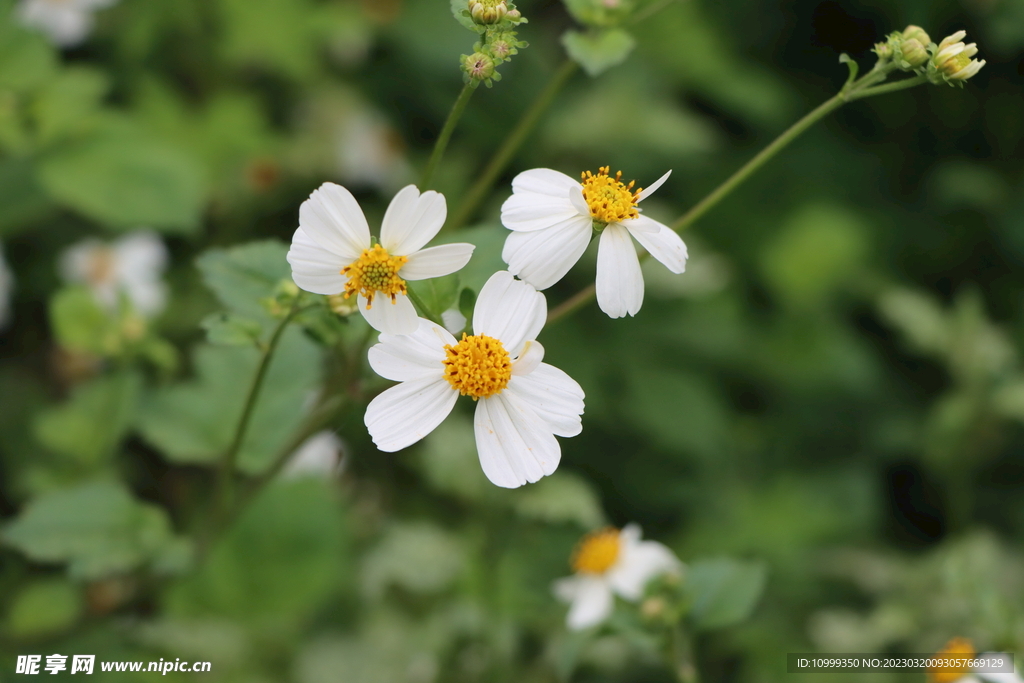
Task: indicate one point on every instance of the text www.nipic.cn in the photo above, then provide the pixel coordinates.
(85, 664)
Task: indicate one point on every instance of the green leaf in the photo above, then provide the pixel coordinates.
(44, 608)
(98, 528)
(418, 557)
(26, 59)
(79, 323)
(460, 10)
(449, 460)
(852, 65)
(280, 561)
(562, 497)
(243, 276)
(598, 51)
(228, 329)
(123, 178)
(69, 104)
(725, 591)
(91, 425)
(467, 301)
(23, 200)
(194, 421)
(438, 293)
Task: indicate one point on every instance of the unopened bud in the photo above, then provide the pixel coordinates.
(914, 53)
(514, 15)
(487, 12)
(652, 608)
(478, 66)
(884, 51)
(953, 61)
(342, 305)
(916, 33)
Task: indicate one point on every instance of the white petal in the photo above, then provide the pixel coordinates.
(648, 191)
(513, 442)
(565, 589)
(436, 261)
(332, 218)
(579, 202)
(404, 414)
(404, 357)
(526, 211)
(543, 257)
(663, 243)
(593, 604)
(554, 396)
(509, 310)
(66, 26)
(147, 296)
(543, 181)
(641, 563)
(620, 284)
(314, 268)
(140, 256)
(453, 320)
(528, 360)
(394, 317)
(412, 220)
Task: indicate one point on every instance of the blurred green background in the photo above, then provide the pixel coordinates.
(833, 389)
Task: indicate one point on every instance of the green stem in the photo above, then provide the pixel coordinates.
(446, 133)
(857, 90)
(511, 145)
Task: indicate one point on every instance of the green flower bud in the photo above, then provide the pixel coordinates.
(479, 67)
(884, 51)
(914, 53)
(487, 12)
(917, 33)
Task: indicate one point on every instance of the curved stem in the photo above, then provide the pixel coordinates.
(446, 133)
(511, 145)
(888, 87)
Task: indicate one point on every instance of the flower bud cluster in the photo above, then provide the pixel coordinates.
(913, 50)
(495, 21)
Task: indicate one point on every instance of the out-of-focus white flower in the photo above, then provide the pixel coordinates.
(453, 320)
(319, 456)
(370, 152)
(552, 218)
(132, 265)
(332, 252)
(611, 562)
(6, 288)
(522, 403)
(66, 22)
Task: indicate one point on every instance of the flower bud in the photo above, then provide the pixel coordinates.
(914, 53)
(478, 66)
(653, 608)
(916, 33)
(884, 51)
(514, 15)
(342, 305)
(486, 12)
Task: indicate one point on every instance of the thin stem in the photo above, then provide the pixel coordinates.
(446, 133)
(511, 145)
(888, 87)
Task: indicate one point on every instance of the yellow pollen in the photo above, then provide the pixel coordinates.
(609, 199)
(375, 271)
(597, 552)
(478, 366)
(956, 647)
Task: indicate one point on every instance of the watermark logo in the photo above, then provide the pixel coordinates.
(85, 664)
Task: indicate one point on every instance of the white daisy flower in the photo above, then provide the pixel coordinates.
(522, 403)
(66, 22)
(552, 218)
(319, 456)
(132, 265)
(611, 562)
(6, 288)
(332, 252)
(964, 648)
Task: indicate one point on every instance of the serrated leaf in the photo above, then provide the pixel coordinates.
(228, 329)
(243, 276)
(90, 426)
(598, 51)
(98, 528)
(725, 591)
(194, 421)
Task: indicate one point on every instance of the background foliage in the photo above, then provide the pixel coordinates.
(832, 395)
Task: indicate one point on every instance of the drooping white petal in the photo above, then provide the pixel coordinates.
(579, 202)
(332, 218)
(543, 181)
(412, 220)
(663, 243)
(318, 456)
(528, 360)
(314, 268)
(543, 257)
(513, 442)
(653, 187)
(509, 310)
(527, 211)
(394, 317)
(404, 414)
(639, 564)
(554, 396)
(405, 357)
(592, 604)
(436, 261)
(620, 284)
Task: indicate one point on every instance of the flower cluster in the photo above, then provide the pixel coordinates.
(951, 61)
(495, 21)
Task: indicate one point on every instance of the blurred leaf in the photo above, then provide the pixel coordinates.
(228, 329)
(122, 178)
(919, 317)
(598, 51)
(80, 324)
(282, 560)
(562, 497)
(449, 460)
(26, 59)
(416, 556)
(467, 300)
(679, 411)
(91, 425)
(22, 199)
(194, 421)
(43, 608)
(69, 104)
(489, 241)
(461, 14)
(725, 591)
(243, 276)
(98, 528)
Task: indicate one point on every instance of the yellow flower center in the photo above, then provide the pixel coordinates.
(956, 647)
(375, 271)
(609, 199)
(597, 552)
(478, 366)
